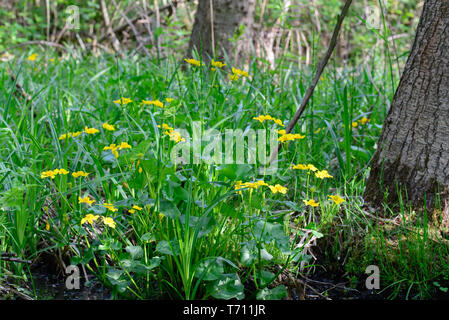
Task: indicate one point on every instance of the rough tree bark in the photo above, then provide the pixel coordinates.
(413, 150)
(228, 16)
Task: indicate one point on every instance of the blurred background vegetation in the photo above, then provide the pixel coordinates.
(294, 30)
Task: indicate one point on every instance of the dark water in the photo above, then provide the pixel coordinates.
(50, 286)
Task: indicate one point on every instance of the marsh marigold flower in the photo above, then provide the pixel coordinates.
(86, 199)
(90, 130)
(108, 126)
(123, 101)
(311, 203)
(194, 62)
(135, 207)
(156, 102)
(48, 174)
(337, 199)
(278, 188)
(217, 64)
(110, 207)
(32, 57)
(323, 174)
(109, 222)
(90, 218)
(80, 174)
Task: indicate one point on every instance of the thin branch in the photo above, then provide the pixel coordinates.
(115, 42)
(318, 73)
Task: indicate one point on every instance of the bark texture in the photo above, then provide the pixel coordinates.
(228, 16)
(413, 150)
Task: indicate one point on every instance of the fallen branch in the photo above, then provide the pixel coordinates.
(317, 76)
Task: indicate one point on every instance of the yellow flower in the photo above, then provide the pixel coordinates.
(113, 149)
(176, 136)
(354, 124)
(123, 101)
(290, 137)
(311, 167)
(140, 169)
(48, 174)
(194, 62)
(233, 77)
(169, 100)
(156, 102)
(124, 145)
(108, 126)
(80, 174)
(109, 222)
(239, 72)
(76, 134)
(311, 203)
(300, 167)
(86, 199)
(135, 207)
(282, 132)
(364, 120)
(60, 171)
(278, 188)
(337, 199)
(47, 226)
(110, 207)
(217, 64)
(90, 218)
(64, 136)
(279, 122)
(323, 174)
(90, 130)
(32, 57)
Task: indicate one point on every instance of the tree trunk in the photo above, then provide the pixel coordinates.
(228, 17)
(413, 150)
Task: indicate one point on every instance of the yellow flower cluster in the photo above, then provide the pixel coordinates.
(108, 126)
(337, 199)
(237, 73)
(53, 173)
(311, 203)
(123, 101)
(174, 135)
(135, 207)
(217, 64)
(90, 218)
(194, 62)
(262, 118)
(113, 147)
(32, 57)
(289, 136)
(110, 206)
(362, 121)
(86, 199)
(86, 130)
(254, 185)
(156, 102)
(319, 174)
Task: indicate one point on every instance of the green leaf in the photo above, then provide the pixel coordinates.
(135, 251)
(171, 248)
(272, 294)
(211, 269)
(228, 287)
